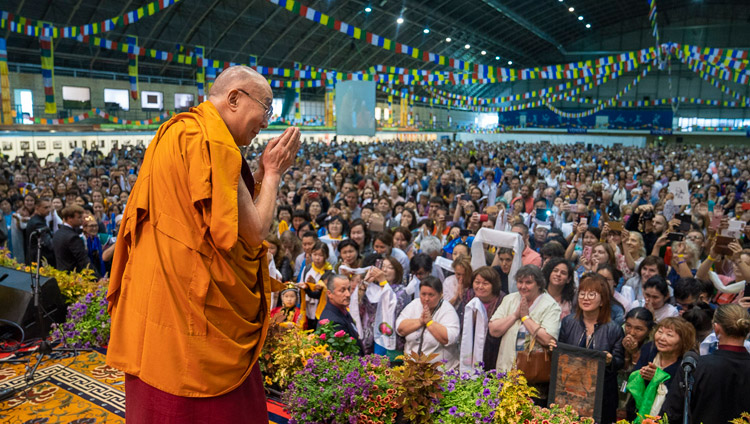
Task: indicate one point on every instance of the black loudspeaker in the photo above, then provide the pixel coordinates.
(680, 139)
(17, 302)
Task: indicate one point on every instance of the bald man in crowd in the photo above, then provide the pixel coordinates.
(189, 292)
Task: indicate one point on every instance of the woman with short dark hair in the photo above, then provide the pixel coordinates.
(430, 324)
(656, 299)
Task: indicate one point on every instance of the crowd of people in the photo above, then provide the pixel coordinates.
(588, 247)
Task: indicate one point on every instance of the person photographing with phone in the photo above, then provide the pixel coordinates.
(430, 324)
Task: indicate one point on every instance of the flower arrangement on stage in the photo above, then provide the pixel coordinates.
(337, 340)
(87, 324)
(287, 351)
(470, 398)
(336, 390)
(560, 415)
(418, 383)
(743, 419)
(73, 285)
(515, 405)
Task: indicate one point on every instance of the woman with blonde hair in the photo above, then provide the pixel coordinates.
(721, 379)
(634, 250)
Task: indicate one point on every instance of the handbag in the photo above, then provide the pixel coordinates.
(535, 365)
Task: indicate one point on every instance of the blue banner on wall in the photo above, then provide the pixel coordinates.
(612, 119)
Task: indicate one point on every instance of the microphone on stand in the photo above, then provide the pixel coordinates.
(689, 365)
(39, 231)
(689, 362)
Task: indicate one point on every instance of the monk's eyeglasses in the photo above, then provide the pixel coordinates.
(268, 109)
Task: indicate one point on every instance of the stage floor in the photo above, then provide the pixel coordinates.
(79, 389)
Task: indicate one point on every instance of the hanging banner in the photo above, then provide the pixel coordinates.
(329, 103)
(297, 96)
(615, 119)
(22, 25)
(48, 68)
(404, 109)
(6, 118)
(411, 106)
(133, 66)
(210, 78)
(390, 110)
(200, 74)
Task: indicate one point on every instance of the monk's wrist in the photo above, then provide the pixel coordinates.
(271, 178)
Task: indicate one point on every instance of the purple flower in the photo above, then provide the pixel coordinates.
(453, 410)
(486, 392)
(478, 402)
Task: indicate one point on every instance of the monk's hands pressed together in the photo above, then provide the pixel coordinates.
(280, 152)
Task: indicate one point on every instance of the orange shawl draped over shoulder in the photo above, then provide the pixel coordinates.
(188, 297)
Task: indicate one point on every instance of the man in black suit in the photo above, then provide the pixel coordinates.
(37, 233)
(339, 293)
(70, 251)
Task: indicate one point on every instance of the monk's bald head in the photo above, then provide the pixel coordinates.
(238, 77)
(243, 99)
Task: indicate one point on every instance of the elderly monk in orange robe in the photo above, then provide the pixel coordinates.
(189, 292)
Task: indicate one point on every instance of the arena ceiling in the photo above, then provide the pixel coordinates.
(526, 32)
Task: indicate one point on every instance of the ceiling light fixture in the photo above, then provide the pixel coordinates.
(510, 62)
(426, 30)
(571, 9)
(467, 47)
(484, 52)
(497, 57)
(580, 18)
(400, 20)
(448, 39)
(368, 9)
(588, 25)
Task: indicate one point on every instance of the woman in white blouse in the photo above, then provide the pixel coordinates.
(529, 311)
(430, 324)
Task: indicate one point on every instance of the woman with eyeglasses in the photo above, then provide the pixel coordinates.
(591, 327)
(95, 243)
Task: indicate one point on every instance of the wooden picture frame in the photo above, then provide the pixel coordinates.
(577, 379)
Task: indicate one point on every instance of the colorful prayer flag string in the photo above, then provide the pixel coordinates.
(22, 25)
(483, 71)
